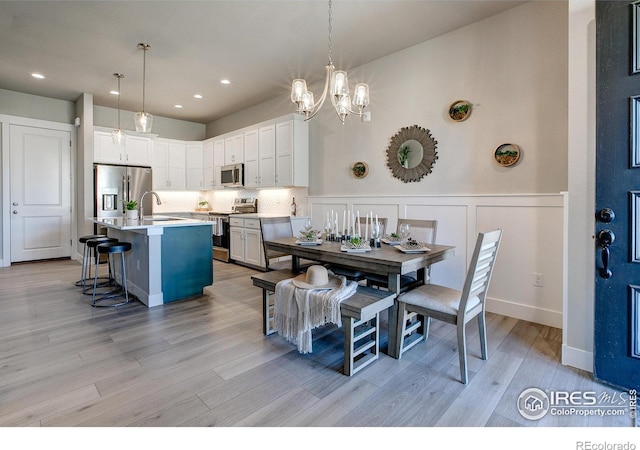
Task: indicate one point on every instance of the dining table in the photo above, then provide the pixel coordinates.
(387, 260)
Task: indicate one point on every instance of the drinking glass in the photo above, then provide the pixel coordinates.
(405, 231)
(327, 230)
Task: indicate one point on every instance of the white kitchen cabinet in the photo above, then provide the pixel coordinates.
(246, 242)
(193, 166)
(267, 146)
(134, 151)
(169, 163)
(292, 153)
(208, 172)
(251, 158)
(218, 162)
(234, 149)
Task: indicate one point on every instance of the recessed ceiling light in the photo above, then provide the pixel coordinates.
(197, 96)
(37, 75)
(178, 106)
(225, 81)
(114, 92)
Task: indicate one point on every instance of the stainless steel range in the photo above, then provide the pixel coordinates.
(221, 232)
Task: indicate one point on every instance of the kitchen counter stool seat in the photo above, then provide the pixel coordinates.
(120, 291)
(85, 256)
(94, 259)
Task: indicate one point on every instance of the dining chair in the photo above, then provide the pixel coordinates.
(451, 305)
(274, 228)
(349, 273)
(420, 230)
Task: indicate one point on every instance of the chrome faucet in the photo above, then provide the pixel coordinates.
(141, 210)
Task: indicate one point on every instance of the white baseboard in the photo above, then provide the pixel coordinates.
(525, 312)
(577, 358)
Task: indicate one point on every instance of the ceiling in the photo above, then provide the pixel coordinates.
(260, 46)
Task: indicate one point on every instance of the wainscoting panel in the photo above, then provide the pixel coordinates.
(527, 282)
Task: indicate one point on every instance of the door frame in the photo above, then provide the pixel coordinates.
(5, 122)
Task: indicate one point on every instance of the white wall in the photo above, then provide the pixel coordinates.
(162, 126)
(532, 242)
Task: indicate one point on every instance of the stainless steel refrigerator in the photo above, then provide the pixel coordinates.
(114, 184)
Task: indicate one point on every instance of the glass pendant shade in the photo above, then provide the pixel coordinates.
(361, 96)
(117, 136)
(298, 89)
(143, 122)
(339, 84)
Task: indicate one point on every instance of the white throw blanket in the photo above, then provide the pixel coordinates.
(298, 311)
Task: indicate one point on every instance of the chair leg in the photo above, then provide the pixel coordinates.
(483, 334)
(400, 328)
(462, 352)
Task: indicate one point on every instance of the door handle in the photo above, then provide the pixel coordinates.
(15, 212)
(605, 239)
(15, 203)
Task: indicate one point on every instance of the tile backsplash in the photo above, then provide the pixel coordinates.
(270, 201)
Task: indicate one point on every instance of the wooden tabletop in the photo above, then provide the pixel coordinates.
(386, 260)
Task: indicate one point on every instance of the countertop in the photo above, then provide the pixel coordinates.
(155, 221)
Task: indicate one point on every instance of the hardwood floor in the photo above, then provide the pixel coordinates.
(204, 362)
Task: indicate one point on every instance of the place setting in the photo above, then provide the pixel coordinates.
(309, 236)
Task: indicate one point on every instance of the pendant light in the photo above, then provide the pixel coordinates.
(143, 119)
(117, 135)
(337, 86)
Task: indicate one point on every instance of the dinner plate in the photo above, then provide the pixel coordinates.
(387, 241)
(412, 250)
(355, 250)
(316, 242)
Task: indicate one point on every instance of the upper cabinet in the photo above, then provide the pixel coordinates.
(194, 164)
(234, 149)
(292, 153)
(275, 153)
(134, 151)
(169, 165)
(208, 173)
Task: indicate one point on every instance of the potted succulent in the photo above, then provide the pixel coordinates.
(203, 206)
(131, 209)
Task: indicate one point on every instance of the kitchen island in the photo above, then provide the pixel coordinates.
(170, 259)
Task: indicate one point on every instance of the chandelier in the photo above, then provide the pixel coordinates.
(336, 85)
(117, 135)
(142, 119)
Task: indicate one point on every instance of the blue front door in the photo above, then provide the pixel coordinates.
(617, 232)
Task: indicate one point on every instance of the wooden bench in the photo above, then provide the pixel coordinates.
(360, 318)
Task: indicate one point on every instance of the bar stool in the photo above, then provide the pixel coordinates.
(111, 249)
(91, 245)
(85, 255)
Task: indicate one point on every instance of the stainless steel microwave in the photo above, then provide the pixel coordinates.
(232, 175)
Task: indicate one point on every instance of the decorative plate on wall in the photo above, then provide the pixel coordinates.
(360, 169)
(411, 153)
(460, 110)
(507, 154)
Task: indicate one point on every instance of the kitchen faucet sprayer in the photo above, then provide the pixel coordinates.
(141, 210)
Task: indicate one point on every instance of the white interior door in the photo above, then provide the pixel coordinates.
(40, 161)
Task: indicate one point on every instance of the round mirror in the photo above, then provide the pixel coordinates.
(411, 153)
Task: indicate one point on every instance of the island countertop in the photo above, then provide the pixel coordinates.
(155, 221)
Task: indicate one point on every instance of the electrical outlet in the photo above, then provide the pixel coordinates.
(537, 279)
(138, 264)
